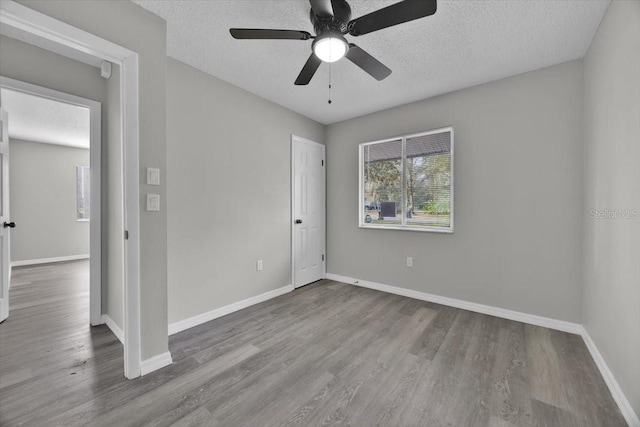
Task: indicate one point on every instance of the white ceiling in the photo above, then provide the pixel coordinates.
(37, 119)
(467, 42)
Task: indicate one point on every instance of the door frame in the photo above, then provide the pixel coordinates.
(5, 245)
(95, 152)
(50, 29)
(295, 139)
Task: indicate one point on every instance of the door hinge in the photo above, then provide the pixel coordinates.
(323, 257)
(126, 234)
(322, 162)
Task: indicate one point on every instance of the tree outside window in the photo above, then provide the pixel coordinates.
(407, 182)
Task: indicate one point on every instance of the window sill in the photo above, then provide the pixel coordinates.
(409, 228)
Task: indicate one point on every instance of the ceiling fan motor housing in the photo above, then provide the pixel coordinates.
(336, 23)
(331, 20)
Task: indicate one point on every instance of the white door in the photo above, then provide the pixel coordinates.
(308, 211)
(5, 267)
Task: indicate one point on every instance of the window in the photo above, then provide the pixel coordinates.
(83, 189)
(406, 182)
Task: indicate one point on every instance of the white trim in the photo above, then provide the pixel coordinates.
(130, 140)
(292, 209)
(49, 261)
(418, 228)
(117, 331)
(190, 322)
(618, 395)
(156, 362)
(560, 325)
(294, 139)
(36, 23)
(33, 22)
(532, 319)
(404, 226)
(95, 163)
(5, 244)
(55, 144)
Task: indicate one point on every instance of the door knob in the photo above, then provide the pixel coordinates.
(298, 221)
(9, 224)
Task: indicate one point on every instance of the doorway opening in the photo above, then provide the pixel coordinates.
(53, 35)
(56, 140)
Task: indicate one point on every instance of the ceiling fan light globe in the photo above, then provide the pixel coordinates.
(330, 49)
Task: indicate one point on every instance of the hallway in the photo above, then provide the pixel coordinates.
(49, 353)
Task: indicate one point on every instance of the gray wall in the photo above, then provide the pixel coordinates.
(611, 312)
(114, 223)
(31, 64)
(43, 201)
(131, 26)
(229, 191)
(22, 61)
(518, 197)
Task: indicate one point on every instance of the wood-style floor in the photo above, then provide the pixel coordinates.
(326, 354)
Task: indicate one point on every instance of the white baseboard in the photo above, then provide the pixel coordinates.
(623, 403)
(531, 319)
(616, 392)
(48, 260)
(156, 362)
(107, 320)
(146, 366)
(190, 322)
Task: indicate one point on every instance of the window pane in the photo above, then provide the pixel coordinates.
(382, 201)
(428, 180)
(83, 192)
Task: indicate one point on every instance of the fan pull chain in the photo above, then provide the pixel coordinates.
(329, 83)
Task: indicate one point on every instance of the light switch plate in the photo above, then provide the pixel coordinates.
(153, 202)
(153, 176)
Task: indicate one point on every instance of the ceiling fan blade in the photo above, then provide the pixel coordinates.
(368, 63)
(262, 34)
(308, 70)
(395, 14)
(322, 8)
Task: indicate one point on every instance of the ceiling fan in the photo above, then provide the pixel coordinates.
(331, 20)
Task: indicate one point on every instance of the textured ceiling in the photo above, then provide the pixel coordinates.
(37, 119)
(464, 44)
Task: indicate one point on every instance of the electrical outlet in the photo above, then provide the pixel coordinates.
(409, 262)
(259, 265)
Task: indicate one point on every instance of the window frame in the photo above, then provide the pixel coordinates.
(404, 226)
(88, 170)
